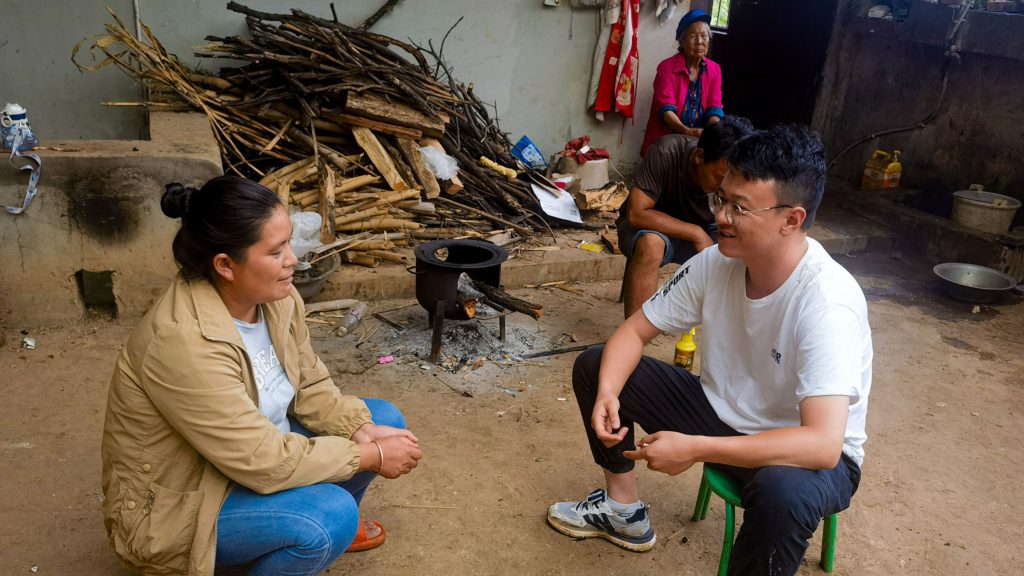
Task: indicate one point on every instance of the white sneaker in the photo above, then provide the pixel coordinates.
(594, 518)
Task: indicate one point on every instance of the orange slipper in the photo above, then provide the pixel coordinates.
(363, 540)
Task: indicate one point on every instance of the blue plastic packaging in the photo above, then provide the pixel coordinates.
(528, 152)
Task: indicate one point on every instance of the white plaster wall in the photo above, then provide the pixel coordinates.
(534, 62)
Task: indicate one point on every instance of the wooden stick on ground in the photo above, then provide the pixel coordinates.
(504, 299)
(330, 305)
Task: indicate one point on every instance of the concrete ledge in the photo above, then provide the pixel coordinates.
(98, 210)
(391, 281)
(841, 232)
(933, 238)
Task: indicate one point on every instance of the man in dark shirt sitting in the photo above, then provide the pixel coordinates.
(666, 217)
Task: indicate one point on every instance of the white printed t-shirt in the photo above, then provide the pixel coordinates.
(760, 358)
(274, 388)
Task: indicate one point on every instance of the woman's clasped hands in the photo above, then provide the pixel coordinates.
(388, 451)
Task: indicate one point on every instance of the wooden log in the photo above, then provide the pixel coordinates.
(389, 256)
(437, 233)
(377, 108)
(411, 153)
(369, 143)
(352, 183)
(330, 305)
(382, 223)
(326, 204)
(467, 303)
(361, 215)
(377, 244)
(454, 185)
(417, 207)
(333, 156)
(341, 118)
(273, 177)
(306, 197)
(360, 259)
(394, 197)
(283, 185)
(509, 301)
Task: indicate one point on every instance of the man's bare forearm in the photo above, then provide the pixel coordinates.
(667, 225)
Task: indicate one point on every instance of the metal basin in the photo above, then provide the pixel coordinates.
(973, 283)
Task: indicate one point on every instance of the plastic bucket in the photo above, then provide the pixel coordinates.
(984, 211)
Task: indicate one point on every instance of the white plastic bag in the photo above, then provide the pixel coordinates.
(305, 231)
(440, 164)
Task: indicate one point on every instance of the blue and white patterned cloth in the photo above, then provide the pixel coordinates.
(17, 136)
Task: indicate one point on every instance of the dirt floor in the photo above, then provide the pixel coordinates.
(941, 491)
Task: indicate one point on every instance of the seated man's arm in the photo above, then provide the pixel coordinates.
(817, 444)
(643, 216)
(621, 355)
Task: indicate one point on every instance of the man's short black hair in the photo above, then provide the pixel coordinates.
(718, 138)
(791, 156)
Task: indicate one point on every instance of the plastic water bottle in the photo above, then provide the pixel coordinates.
(351, 320)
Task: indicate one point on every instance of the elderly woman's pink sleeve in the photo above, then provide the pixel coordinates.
(665, 96)
(713, 104)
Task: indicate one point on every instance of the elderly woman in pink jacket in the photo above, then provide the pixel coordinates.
(687, 86)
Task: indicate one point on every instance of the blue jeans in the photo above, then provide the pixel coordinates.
(300, 531)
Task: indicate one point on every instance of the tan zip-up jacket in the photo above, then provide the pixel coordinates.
(182, 423)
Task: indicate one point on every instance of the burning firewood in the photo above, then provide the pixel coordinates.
(495, 297)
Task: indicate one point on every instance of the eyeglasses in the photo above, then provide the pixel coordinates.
(732, 209)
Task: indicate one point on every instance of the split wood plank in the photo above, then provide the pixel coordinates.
(369, 143)
(400, 164)
(358, 121)
(394, 113)
(411, 152)
(326, 204)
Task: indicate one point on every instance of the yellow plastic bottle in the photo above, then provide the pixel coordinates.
(893, 171)
(874, 170)
(685, 349)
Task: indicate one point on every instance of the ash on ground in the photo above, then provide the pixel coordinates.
(463, 341)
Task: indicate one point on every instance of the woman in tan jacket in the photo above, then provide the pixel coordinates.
(225, 440)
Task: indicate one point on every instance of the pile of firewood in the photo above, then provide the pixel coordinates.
(332, 119)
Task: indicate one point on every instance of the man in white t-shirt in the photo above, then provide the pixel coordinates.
(785, 370)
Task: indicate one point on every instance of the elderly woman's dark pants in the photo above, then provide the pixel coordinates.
(782, 504)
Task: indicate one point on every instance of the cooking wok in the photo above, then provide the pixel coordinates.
(973, 283)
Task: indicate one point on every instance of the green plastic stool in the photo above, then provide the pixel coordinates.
(730, 489)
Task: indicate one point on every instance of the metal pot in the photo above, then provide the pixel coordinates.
(973, 283)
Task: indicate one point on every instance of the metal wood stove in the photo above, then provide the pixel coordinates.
(437, 280)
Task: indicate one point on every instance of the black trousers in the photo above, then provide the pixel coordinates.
(783, 505)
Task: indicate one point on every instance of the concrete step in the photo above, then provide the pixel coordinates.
(842, 232)
(527, 265)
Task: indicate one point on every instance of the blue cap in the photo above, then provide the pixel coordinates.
(695, 15)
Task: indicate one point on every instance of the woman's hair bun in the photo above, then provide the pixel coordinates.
(174, 202)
